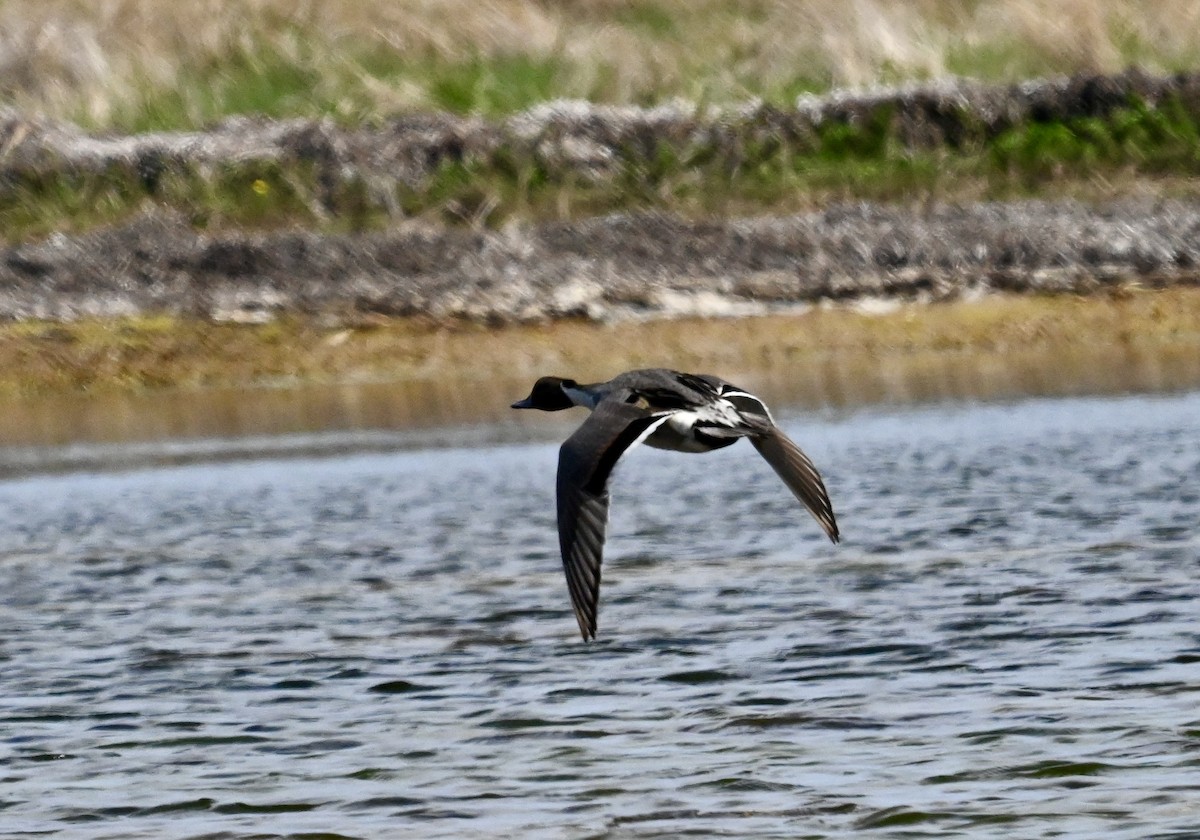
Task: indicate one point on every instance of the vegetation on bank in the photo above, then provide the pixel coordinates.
(141, 65)
(145, 65)
(1159, 328)
(759, 165)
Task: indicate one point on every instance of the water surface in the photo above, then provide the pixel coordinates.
(379, 644)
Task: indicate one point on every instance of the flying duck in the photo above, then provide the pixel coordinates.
(665, 409)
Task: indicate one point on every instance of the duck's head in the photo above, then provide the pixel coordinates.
(549, 394)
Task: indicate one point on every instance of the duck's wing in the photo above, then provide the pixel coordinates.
(799, 474)
(585, 462)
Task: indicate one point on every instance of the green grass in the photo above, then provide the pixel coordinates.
(649, 17)
(1151, 141)
(758, 168)
(495, 86)
(259, 82)
(235, 195)
(142, 64)
(266, 82)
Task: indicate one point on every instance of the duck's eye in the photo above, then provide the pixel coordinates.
(632, 399)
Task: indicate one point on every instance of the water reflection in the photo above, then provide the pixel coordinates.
(199, 413)
(841, 381)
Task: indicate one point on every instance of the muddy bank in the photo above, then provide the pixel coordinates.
(159, 378)
(607, 268)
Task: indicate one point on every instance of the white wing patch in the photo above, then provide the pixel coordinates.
(681, 422)
(652, 428)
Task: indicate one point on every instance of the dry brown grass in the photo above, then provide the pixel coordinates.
(105, 62)
(830, 354)
(140, 379)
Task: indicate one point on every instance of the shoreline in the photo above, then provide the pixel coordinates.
(639, 266)
(132, 393)
(1010, 335)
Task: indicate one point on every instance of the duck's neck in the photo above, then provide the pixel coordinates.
(584, 396)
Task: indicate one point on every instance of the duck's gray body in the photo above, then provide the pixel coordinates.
(665, 409)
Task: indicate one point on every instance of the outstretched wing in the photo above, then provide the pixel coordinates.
(585, 462)
(799, 474)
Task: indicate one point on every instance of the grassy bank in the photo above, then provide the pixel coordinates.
(1014, 334)
(767, 162)
(136, 65)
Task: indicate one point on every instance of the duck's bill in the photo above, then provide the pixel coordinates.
(525, 403)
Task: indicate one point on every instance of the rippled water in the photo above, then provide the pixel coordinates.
(375, 645)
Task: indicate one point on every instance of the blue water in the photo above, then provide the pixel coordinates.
(379, 644)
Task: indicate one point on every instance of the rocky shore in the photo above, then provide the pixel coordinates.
(607, 268)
